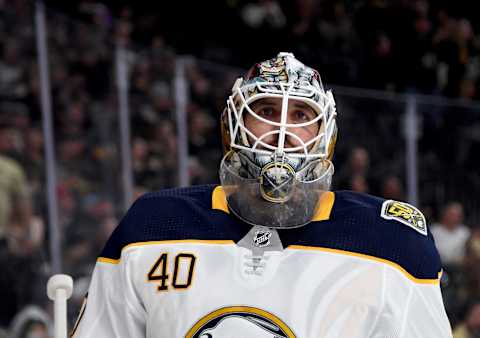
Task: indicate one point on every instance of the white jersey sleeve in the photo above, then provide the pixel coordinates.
(112, 308)
(424, 314)
(412, 309)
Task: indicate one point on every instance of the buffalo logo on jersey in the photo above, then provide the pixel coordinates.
(262, 238)
(406, 214)
(240, 322)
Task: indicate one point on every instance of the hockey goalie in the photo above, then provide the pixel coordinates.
(272, 251)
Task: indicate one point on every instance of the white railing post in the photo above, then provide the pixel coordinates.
(59, 290)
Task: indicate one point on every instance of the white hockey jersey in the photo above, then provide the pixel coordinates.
(180, 266)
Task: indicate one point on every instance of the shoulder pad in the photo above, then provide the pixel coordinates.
(165, 215)
(391, 230)
(173, 214)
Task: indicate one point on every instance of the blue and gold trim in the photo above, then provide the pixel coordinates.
(219, 200)
(370, 258)
(183, 241)
(291, 247)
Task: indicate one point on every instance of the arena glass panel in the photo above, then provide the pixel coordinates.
(85, 108)
(88, 76)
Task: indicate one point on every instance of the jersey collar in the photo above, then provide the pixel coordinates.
(324, 207)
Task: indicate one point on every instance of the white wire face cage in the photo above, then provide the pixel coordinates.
(323, 104)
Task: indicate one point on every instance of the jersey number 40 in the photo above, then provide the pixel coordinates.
(182, 272)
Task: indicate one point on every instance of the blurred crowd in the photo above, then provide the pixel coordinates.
(390, 45)
(402, 45)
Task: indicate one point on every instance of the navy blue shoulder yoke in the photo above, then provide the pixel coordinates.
(173, 214)
(356, 225)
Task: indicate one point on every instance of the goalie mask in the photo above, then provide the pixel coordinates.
(279, 132)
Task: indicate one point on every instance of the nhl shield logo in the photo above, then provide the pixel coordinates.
(262, 238)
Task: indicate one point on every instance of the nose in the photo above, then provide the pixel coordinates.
(271, 139)
(290, 141)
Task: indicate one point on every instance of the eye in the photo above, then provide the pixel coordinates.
(303, 116)
(266, 112)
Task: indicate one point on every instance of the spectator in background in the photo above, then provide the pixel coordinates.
(73, 120)
(15, 204)
(265, 20)
(455, 47)
(469, 278)
(20, 239)
(74, 158)
(263, 13)
(472, 262)
(461, 284)
(31, 322)
(94, 223)
(164, 153)
(33, 162)
(10, 138)
(392, 188)
(339, 37)
(16, 114)
(451, 234)
(357, 166)
(12, 71)
(141, 158)
(358, 183)
(425, 61)
(470, 327)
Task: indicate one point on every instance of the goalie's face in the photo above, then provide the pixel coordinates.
(298, 116)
